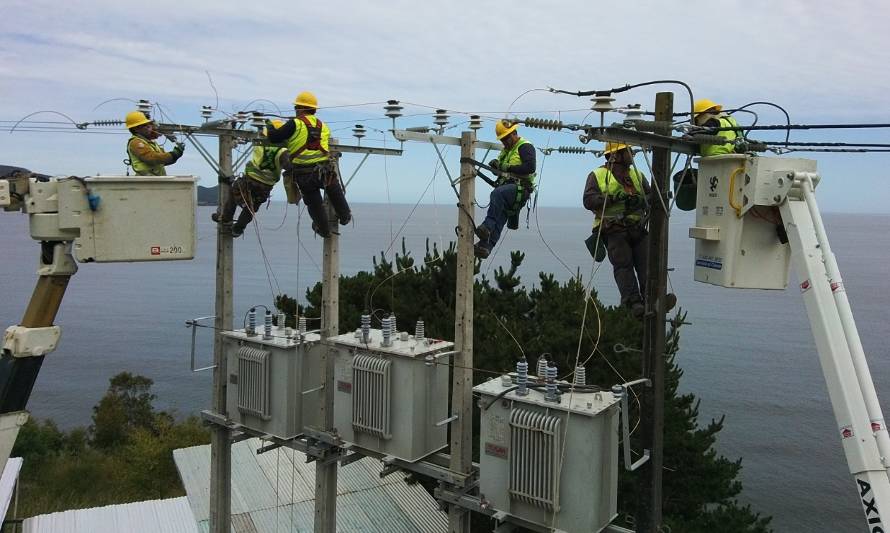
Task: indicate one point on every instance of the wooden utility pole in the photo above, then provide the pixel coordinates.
(649, 516)
(462, 377)
(326, 469)
(220, 445)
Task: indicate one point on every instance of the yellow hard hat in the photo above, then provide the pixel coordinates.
(614, 147)
(503, 128)
(706, 105)
(306, 99)
(275, 124)
(136, 118)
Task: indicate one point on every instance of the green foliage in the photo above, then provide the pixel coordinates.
(126, 406)
(125, 455)
(565, 323)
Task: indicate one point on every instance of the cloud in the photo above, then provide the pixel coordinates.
(818, 59)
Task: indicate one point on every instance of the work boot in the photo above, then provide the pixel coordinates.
(215, 216)
(237, 231)
(670, 301)
(483, 233)
(346, 219)
(637, 309)
(318, 232)
(480, 251)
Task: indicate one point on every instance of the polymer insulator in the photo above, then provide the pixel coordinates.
(475, 122)
(543, 123)
(107, 122)
(359, 131)
(206, 112)
(572, 150)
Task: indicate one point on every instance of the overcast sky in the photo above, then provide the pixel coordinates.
(823, 61)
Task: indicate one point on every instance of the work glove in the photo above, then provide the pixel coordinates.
(495, 164)
(177, 151)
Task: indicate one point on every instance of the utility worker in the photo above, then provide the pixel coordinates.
(515, 167)
(709, 114)
(307, 139)
(145, 155)
(618, 193)
(249, 192)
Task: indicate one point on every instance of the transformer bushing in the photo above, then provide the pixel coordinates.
(580, 376)
(282, 318)
(267, 326)
(551, 393)
(301, 326)
(393, 328)
(251, 322)
(366, 328)
(542, 368)
(419, 333)
(522, 377)
(386, 331)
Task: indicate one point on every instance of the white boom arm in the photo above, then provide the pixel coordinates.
(850, 387)
(740, 200)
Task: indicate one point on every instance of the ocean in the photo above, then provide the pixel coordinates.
(748, 355)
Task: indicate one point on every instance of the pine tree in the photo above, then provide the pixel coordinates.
(566, 323)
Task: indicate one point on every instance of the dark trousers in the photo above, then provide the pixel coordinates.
(628, 248)
(310, 182)
(249, 194)
(501, 201)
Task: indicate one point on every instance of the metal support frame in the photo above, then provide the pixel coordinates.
(649, 509)
(194, 325)
(354, 172)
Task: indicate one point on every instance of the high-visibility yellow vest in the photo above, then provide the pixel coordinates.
(610, 187)
(509, 157)
(303, 154)
(730, 136)
(140, 167)
(264, 165)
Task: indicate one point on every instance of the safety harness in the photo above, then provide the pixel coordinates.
(313, 137)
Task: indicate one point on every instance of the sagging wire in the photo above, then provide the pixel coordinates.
(607, 92)
(270, 273)
(369, 295)
(75, 124)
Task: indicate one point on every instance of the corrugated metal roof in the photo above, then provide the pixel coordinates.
(156, 516)
(275, 491)
(7, 482)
